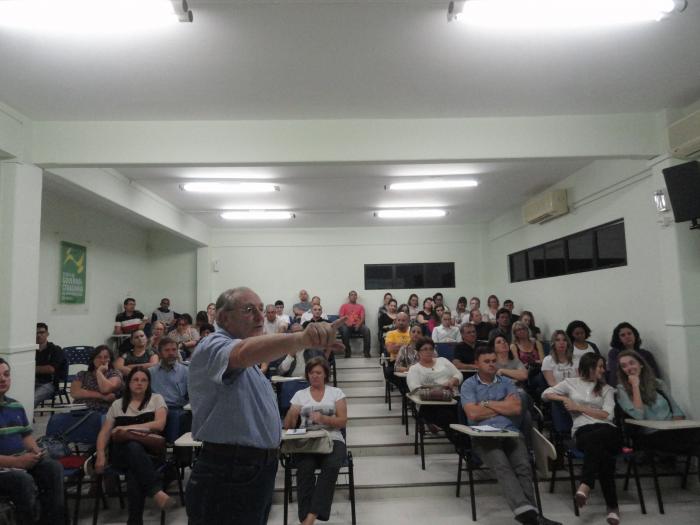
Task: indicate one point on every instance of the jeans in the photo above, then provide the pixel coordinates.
(21, 487)
(316, 494)
(345, 332)
(141, 479)
(42, 392)
(230, 490)
(510, 462)
(600, 444)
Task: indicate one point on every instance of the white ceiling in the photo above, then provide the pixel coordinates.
(301, 59)
(333, 195)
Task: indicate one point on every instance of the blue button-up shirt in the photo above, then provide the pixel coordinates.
(171, 384)
(236, 407)
(474, 390)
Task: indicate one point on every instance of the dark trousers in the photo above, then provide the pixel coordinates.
(230, 489)
(141, 479)
(315, 494)
(600, 444)
(21, 487)
(345, 332)
(681, 441)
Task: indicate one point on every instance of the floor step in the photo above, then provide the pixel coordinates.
(370, 394)
(366, 414)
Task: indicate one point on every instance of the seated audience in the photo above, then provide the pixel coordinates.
(643, 396)
(560, 364)
(404, 308)
(431, 370)
(169, 376)
(315, 301)
(211, 313)
(502, 326)
(157, 333)
(461, 314)
(29, 478)
(413, 307)
(425, 315)
(138, 357)
(385, 303)
(482, 328)
(491, 312)
(100, 384)
(279, 307)
(527, 317)
(435, 319)
(48, 359)
(507, 363)
(130, 319)
(591, 404)
(439, 300)
(185, 335)
(164, 314)
(139, 409)
(408, 355)
(320, 406)
(205, 330)
(578, 332)
(626, 337)
(355, 324)
(394, 341)
(272, 323)
(289, 365)
(200, 320)
(317, 316)
(446, 332)
(529, 351)
(509, 305)
(387, 319)
(303, 305)
(465, 350)
(474, 302)
(489, 399)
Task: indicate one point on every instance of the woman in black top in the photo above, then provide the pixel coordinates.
(425, 315)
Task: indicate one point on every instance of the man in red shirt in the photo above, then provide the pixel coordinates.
(355, 324)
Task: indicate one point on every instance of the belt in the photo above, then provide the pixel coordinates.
(240, 451)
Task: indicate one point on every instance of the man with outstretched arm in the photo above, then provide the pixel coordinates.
(235, 413)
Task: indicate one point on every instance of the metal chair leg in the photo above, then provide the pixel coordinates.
(472, 497)
(351, 482)
(573, 483)
(459, 473)
(684, 484)
(638, 482)
(657, 488)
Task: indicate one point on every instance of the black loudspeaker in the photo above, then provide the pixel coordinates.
(683, 184)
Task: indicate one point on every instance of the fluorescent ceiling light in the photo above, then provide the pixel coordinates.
(558, 14)
(414, 213)
(256, 215)
(92, 16)
(229, 187)
(437, 184)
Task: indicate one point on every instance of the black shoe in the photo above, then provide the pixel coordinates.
(541, 520)
(529, 517)
(348, 354)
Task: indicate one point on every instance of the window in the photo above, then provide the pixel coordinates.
(594, 249)
(409, 276)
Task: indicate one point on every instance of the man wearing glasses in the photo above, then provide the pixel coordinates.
(235, 413)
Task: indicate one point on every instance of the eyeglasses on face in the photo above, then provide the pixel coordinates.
(250, 309)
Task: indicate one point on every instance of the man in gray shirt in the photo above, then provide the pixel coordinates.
(235, 411)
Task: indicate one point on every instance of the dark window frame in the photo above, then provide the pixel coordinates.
(568, 266)
(426, 271)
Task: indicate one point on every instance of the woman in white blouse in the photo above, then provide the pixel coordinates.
(320, 407)
(490, 314)
(591, 403)
(431, 370)
(560, 363)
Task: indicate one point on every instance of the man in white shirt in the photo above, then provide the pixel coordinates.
(279, 306)
(272, 324)
(445, 332)
(309, 314)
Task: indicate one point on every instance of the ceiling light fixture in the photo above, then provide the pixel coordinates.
(410, 213)
(257, 215)
(435, 184)
(558, 14)
(229, 187)
(92, 16)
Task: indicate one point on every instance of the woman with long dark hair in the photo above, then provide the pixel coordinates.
(579, 332)
(99, 385)
(413, 307)
(142, 410)
(626, 337)
(591, 404)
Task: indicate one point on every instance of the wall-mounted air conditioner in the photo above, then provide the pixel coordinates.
(684, 137)
(545, 207)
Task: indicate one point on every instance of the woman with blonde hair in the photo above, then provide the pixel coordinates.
(560, 363)
(528, 350)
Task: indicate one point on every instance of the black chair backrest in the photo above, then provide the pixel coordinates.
(446, 350)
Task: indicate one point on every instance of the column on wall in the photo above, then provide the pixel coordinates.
(680, 274)
(20, 226)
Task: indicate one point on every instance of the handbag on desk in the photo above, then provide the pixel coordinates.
(321, 444)
(435, 393)
(153, 443)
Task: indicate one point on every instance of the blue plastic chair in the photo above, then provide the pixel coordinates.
(287, 391)
(446, 350)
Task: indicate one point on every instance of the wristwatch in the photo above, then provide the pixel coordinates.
(485, 403)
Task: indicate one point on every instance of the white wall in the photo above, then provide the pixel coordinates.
(123, 260)
(601, 192)
(330, 262)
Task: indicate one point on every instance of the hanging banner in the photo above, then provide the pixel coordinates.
(73, 279)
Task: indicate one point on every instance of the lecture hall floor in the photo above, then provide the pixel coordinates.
(392, 488)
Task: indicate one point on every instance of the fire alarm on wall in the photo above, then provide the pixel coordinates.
(216, 265)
